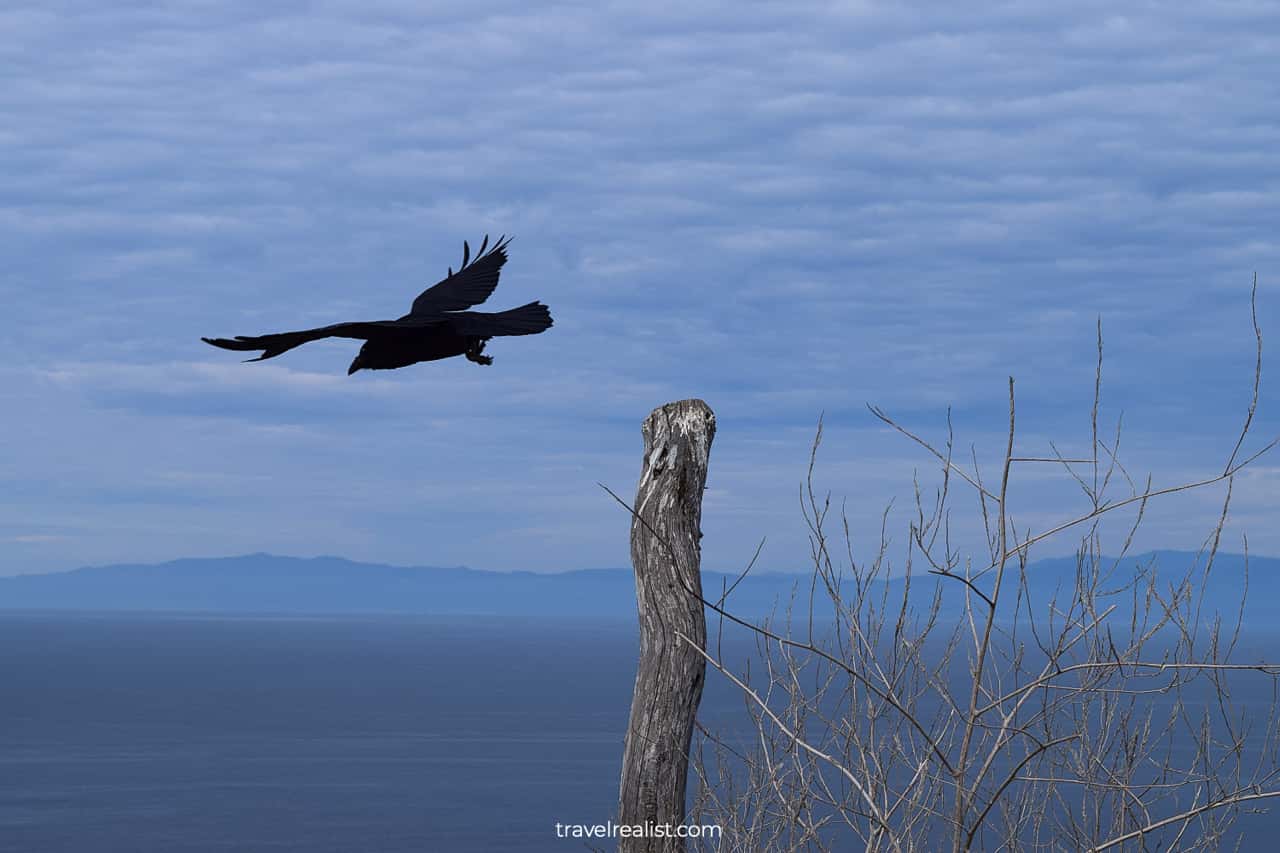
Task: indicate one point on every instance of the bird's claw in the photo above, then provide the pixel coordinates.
(473, 353)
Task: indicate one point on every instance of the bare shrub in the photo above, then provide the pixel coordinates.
(953, 703)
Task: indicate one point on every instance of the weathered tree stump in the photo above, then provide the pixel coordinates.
(666, 554)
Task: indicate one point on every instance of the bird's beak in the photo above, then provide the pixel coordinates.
(355, 365)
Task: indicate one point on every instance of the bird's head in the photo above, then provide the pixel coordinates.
(358, 363)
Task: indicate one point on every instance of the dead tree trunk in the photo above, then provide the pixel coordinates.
(666, 554)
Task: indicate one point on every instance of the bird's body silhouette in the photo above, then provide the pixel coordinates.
(436, 326)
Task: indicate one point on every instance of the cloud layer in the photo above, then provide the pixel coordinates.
(785, 210)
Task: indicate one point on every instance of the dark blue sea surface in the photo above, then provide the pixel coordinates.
(183, 734)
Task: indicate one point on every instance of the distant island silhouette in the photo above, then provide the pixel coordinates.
(265, 583)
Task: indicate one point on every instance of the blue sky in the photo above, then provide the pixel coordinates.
(784, 209)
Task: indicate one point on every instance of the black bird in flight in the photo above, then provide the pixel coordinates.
(436, 326)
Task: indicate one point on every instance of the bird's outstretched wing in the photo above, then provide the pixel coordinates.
(274, 345)
(470, 285)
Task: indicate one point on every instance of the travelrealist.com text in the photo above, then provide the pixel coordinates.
(636, 830)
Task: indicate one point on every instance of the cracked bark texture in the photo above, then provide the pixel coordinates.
(668, 512)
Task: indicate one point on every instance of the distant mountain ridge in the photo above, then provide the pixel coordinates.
(265, 583)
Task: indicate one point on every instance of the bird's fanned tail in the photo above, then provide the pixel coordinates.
(526, 320)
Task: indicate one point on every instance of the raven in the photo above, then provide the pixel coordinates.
(436, 326)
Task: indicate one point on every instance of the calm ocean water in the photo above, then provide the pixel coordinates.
(184, 734)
